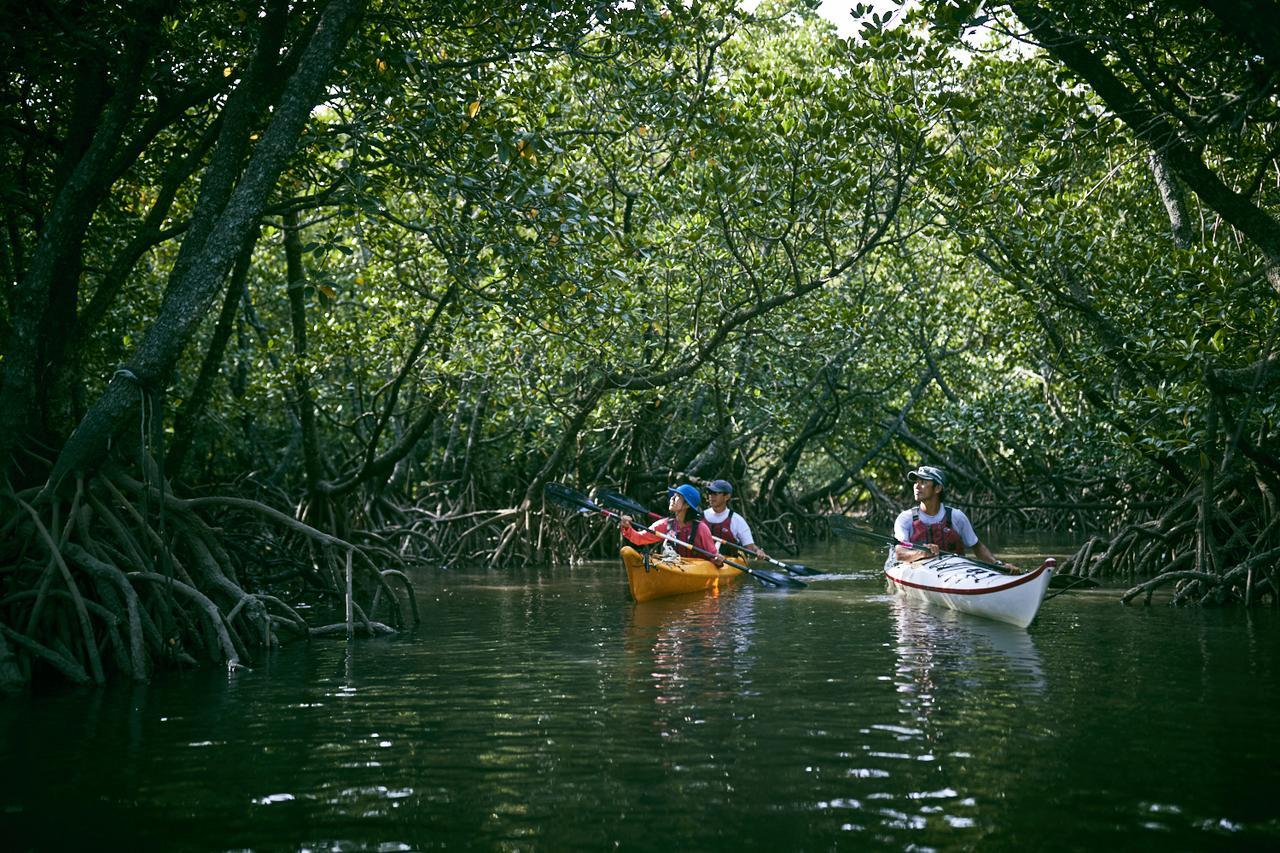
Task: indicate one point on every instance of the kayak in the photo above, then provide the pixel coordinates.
(954, 582)
(661, 578)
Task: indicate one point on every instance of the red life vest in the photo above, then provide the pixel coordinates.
(721, 529)
(685, 533)
(940, 533)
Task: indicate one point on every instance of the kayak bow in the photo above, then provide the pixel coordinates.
(961, 584)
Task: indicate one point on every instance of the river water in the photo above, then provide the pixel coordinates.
(539, 709)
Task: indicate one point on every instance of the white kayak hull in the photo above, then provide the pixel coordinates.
(959, 584)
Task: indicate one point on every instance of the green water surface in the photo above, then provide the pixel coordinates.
(540, 709)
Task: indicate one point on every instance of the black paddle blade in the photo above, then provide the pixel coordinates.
(615, 499)
(1065, 582)
(767, 577)
(846, 528)
(569, 498)
(793, 568)
(778, 578)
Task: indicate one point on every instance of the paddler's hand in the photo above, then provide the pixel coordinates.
(625, 521)
(718, 560)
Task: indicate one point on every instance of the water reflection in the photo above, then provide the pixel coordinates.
(930, 638)
(544, 710)
(691, 651)
(932, 760)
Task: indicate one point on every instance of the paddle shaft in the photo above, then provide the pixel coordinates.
(720, 541)
(564, 493)
(773, 577)
(670, 538)
(620, 501)
(566, 496)
(889, 540)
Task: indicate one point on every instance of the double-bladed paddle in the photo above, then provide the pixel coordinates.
(846, 528)
(575, 500)
(621, 502)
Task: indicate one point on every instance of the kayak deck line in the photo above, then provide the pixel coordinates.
(954, 582)
(1017, 581)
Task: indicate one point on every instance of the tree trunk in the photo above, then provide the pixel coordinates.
(193, 286)
(58, 249)
(193, 405)
(1175, 200)
(149, 234)
(1236, 208)
(298, 322)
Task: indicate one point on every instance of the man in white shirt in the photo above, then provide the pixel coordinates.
(933, 526)
(725, 523)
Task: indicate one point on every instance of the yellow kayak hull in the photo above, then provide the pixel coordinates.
(681, 577)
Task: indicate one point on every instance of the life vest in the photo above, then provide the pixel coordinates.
(685, 533)
(722, 529)
(940, 533)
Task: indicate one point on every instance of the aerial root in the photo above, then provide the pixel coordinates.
(122, 577)
(1209, 552)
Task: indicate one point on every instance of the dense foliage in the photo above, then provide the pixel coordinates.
(299, 289)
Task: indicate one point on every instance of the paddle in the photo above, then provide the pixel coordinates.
(1066, 583)
(619, 501)
(571, 499)
(846, 528)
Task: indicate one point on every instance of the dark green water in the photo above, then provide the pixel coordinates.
(540, 709)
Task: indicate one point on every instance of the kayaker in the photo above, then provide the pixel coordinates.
(725, 523)
(935, 526)
(685, 523)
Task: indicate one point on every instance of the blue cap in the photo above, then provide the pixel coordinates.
(688, 492)
(724, 487)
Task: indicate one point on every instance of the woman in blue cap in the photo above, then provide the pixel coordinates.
(685, 524)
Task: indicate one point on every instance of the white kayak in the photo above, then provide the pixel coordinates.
(960, 584)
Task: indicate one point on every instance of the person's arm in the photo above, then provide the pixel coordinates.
(969, 537)
(911, 555)
(902, 532)
(982, 552)
(641, 537)
(742, 532)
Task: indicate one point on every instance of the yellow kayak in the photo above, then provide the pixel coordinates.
(660, 578)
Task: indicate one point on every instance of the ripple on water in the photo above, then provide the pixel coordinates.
(555, 714)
